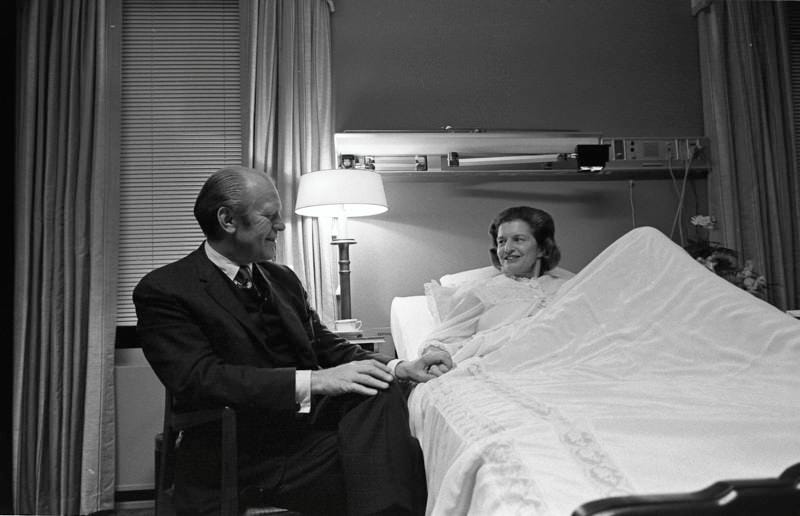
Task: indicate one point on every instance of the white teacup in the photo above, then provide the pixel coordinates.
(346, 325)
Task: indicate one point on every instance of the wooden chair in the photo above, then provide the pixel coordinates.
(773, 496)
(174, 423)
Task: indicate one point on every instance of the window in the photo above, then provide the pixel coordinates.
(793, 21)
(180, 121)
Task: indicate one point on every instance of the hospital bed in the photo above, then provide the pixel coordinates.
(648, 379)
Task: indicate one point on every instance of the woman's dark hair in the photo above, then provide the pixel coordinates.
(542, 226)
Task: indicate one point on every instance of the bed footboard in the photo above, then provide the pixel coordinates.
(774, 496)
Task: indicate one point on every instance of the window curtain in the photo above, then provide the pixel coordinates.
(754, 190)
(65, 211)
(290, 128)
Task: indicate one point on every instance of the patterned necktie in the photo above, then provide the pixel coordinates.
(243, 278)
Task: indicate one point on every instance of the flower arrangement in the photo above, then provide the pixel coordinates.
(722, 260)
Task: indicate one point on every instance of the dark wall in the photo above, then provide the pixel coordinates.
(616, 67)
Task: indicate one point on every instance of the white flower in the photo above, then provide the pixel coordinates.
(703, 221)
(708, 262)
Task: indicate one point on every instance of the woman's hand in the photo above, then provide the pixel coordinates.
(434, 363)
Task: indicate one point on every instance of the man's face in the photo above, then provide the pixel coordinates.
(259, 226)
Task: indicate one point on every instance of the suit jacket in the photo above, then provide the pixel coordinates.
(200, 341)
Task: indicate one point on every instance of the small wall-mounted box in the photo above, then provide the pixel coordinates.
(658, 152)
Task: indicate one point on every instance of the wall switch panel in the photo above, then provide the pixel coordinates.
(656, 152)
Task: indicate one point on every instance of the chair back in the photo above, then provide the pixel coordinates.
(169, 440)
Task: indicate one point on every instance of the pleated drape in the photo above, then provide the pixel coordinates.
(754, 190)
(290, 125)
(65, 254)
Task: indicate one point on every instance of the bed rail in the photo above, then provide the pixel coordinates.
(774, 496)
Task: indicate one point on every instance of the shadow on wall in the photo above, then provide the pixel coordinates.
(578, 197)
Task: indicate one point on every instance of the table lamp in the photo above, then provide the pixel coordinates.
(341, 193)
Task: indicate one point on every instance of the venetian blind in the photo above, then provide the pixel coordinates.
(180, 121)
(793, 21)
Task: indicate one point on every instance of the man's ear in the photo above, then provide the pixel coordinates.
(225, 219)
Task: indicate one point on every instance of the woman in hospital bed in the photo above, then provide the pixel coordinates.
(526, 277)
(646, 373)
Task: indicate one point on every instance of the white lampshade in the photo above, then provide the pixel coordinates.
(347, 192)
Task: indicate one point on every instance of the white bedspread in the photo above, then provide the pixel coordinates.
(648, 374)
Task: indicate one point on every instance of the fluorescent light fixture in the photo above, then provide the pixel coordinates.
(400, 143)
(508, 160)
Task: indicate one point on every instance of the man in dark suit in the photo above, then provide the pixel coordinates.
(322, 423)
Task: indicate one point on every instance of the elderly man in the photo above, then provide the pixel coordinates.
(322, 423)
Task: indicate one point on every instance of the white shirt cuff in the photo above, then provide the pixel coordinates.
(302, 390)
(392, 365)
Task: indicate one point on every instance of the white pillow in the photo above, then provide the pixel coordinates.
(438, 299)
(411, 322)
(459, 278)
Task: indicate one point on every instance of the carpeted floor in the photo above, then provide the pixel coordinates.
(151, 512)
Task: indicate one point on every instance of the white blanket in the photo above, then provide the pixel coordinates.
(647, 374)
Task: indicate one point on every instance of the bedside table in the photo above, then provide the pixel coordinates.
(369, 343)
(374, 339)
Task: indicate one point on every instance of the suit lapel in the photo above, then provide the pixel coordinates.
(218, 287)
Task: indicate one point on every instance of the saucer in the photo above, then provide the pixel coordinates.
(349, 334)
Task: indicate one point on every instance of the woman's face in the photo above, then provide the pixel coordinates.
(517, 249)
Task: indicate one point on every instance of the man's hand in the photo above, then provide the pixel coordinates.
(427, 367)
(362, 377)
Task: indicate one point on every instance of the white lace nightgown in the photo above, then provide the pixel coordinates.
(473, 308)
